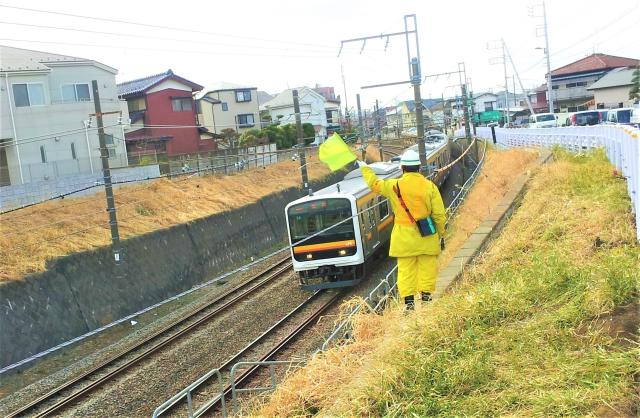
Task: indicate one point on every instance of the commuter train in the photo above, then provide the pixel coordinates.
(350, 224)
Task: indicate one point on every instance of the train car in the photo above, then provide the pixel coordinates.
(336, 232)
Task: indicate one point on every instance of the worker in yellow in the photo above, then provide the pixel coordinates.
(418, 231)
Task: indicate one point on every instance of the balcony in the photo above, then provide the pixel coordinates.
(573, 93)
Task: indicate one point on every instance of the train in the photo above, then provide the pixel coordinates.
(335, 233)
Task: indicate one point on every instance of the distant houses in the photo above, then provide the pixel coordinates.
(228, 106)
(47, 130)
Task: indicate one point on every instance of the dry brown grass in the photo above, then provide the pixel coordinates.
(500, 171)
(511, 340)
(32, 236)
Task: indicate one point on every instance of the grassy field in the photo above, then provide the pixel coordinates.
(32, 236)
(545, 324)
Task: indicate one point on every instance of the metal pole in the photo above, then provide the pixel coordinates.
(303, 158)
(361, 128)
(506, 82)
(415, 80)
(86, 137)
(106, 174)
(379, 131)
(546, 51)
(513, 65)
(13, 126)
(465, 109)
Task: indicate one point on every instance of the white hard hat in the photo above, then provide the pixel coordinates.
(410, 157)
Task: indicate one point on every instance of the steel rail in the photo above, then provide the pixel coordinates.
(243, 377)
(272, 272)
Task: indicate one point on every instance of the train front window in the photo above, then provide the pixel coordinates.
(309, 218)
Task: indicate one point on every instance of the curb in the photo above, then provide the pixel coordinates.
(486, 231)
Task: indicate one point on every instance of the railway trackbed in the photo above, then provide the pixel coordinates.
(82, 385)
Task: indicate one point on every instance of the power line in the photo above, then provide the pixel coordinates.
(155, 26)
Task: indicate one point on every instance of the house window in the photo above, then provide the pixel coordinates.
(488, 106)
(572, 109)
(582, 107)
(181, 105)
(73, 151)
(555, 87)
(28, 94)
(600, 106)
(225, 106)
(581, 84)
(245, 120)
(569, 85)
(43, 154)
(136, 105)
(108, 140)
(620, 104)
(112, 152)
(75, 93)
(243, 96)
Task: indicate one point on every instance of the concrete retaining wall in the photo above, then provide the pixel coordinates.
(84, 291)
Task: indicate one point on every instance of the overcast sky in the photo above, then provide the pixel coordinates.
(280, 44)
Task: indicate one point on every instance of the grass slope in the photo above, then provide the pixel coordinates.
(545, 324)
(34, 235)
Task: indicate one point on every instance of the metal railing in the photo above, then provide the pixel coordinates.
(620, 142)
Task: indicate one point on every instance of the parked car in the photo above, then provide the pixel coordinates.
(543, 120)
(588, 117)
(622, 115)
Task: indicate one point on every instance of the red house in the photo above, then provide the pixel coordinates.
(163, 116)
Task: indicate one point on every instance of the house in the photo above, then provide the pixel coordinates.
(331, 108)
(46, 128)
(612, 90)
(406, 112)
(570, 83)
(313, 109)
(228, 106)
(163, 116)
(485, 102)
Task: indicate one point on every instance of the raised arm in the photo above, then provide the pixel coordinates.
(383, 187)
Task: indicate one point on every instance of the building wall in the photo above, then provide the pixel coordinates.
(57, 116)
(213, 115)
(613, 96)
(312, 108)
(160, 112)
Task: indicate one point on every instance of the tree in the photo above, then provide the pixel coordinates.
(634, 93)
(230, 137)
(250, 138)
(308, 133)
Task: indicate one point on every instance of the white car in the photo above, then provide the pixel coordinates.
(543, 120)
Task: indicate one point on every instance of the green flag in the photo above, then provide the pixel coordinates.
(335, 153)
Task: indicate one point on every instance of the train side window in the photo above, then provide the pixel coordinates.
(384, 207)
(372, 215)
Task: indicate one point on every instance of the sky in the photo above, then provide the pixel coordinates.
(285, 44)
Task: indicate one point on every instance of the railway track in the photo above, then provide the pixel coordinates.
(244, 377)
(73, 390)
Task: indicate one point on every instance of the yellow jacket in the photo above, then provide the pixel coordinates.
(423, 199)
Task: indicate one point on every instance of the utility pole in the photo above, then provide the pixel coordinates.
(106, 174)
(361, 128)
(379, 132)
(546, 51)
(506, 83)
(301, 152)
(513, 65)
(413, 64)
(465, 107)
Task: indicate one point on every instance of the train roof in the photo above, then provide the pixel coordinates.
(353, 183)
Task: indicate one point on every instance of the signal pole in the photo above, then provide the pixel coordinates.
(303, 158)
(106, 175)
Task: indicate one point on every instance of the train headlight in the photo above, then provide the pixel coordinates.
(309, 256)
(342, 252)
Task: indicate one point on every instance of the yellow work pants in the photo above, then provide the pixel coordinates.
(417, 274)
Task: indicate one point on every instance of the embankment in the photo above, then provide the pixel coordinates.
(544, 324)
(83, 291)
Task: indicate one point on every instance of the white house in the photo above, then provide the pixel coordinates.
(46, 128)
(484, 102)
(313, 109)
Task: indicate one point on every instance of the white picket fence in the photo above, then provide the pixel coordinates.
(622, 144)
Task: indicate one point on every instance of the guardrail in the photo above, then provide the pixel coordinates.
(621, 143)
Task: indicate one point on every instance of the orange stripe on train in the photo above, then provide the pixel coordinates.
(324, 246)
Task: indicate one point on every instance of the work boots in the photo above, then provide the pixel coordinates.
(409, 303)
(426, 296)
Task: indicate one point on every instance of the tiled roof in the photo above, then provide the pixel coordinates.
(614, 78)
(19, 59)
(595, 62)
(141, 84)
